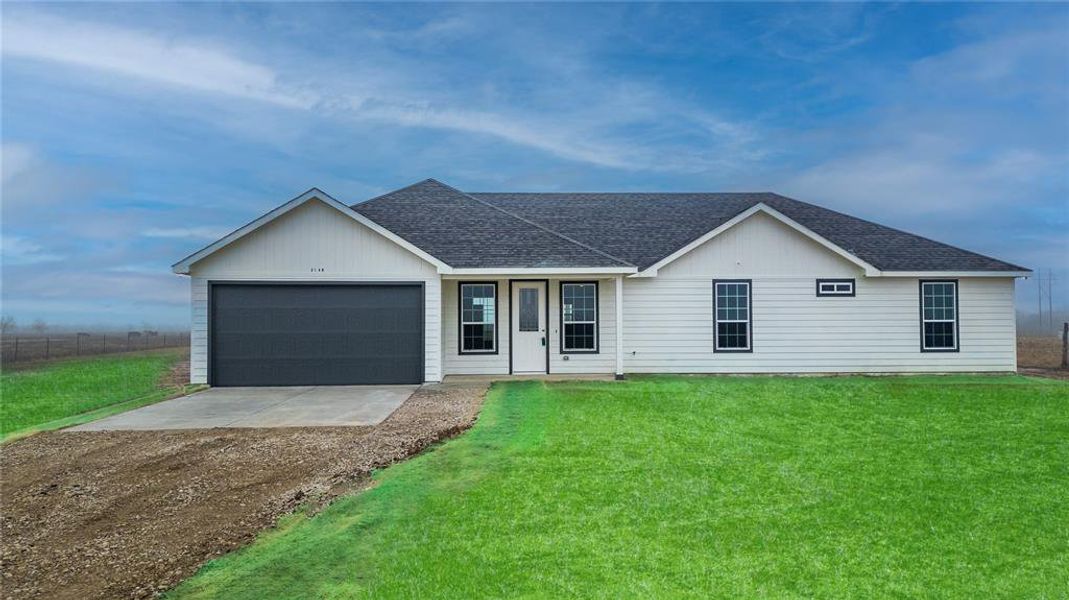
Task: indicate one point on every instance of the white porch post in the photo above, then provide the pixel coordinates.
(619, 326)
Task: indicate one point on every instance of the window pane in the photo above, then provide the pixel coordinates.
(528, 309)
(579, 314)
(579, 302)
(579, 336)
(732, 335)
(732, 316)
(478, 316)
(939, 334)
(478, 337)
(939, 316)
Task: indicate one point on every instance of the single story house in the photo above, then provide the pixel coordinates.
(429, 281)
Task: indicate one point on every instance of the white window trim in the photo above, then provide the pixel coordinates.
(460, 317)
(955, 320)
(748, 320)
(597, 330)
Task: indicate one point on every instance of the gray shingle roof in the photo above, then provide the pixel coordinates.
(625, 229)
(467, 233)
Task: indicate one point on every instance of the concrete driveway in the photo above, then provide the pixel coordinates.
(264, 407)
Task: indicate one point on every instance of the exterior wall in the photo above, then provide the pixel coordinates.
(669, 318)
(311, 243)
(455, 363)
(605, 359)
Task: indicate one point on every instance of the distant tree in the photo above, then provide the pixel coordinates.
(39, 326)
(7, 324)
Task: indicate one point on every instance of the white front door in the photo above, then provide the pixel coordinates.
(529, 327)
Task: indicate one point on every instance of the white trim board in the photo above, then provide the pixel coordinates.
(509, 272)
(182, 266)
(870, 270)
(651, 271)
(955, 274)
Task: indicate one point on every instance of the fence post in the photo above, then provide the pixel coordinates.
(48, 347)
(105, 344)
(1065, 345)
(16, 349)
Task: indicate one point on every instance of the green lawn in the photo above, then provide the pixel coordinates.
(58, 394)
(703, 487)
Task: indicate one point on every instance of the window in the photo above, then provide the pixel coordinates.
(732, 315)
(478, 318)
(939, 316)
(835, 287)
(579, 317)
(528, 309)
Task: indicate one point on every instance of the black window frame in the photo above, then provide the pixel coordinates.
(749, 318)
(460, 319)
(597, 317)
(957, 314)
(853, 288)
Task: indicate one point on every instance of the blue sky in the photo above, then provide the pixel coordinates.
(135, 134)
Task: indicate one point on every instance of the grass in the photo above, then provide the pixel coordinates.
(71, 392)
(951, 486)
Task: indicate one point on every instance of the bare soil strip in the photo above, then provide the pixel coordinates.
(130, 513)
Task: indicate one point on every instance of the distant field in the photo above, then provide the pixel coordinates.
(33, 397)
(32, 347)
(1039, 352)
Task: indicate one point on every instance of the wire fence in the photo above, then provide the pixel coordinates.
(17, 348)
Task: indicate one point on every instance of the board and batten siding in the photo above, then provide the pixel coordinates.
(669, 318)
(313, 243)
(455, 363)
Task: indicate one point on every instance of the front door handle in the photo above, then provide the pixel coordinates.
(543, 340)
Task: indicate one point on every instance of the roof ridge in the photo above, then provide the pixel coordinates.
(537, 225)
(400, 189)
(897, 230)
(573, 193)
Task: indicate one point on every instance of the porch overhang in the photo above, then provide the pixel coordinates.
(513, 272)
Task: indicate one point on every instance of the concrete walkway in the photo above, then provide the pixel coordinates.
(264, 407)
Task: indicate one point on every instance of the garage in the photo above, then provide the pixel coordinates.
(315, 334)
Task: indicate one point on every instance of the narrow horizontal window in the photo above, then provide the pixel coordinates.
(835, 287)
(579, 317)
(939, 316)
(478, 318)
(731, 316)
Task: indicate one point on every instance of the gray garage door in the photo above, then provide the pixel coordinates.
(316, 334)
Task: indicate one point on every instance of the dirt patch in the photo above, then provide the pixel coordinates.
(1039, 352)
(130, 513)
(178, 376)
(1048, 373)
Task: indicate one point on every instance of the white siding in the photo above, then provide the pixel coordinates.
(670, 317)
(198, 332)
(313, 242)
(602, 362)
(456, 363)
(498, 364)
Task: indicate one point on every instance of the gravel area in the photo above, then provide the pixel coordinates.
(127, 514)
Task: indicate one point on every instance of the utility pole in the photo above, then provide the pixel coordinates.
(1039, 295)
(1050, 298)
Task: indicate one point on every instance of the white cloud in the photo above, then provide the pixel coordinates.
(17, 250)
(204, 233)
(587, 132)
(14, 160)
(193, 65)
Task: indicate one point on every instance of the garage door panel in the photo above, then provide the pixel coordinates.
(316, 334)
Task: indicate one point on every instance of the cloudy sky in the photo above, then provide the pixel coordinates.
(135, 134)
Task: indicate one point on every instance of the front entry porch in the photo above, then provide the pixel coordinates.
(556, 324)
